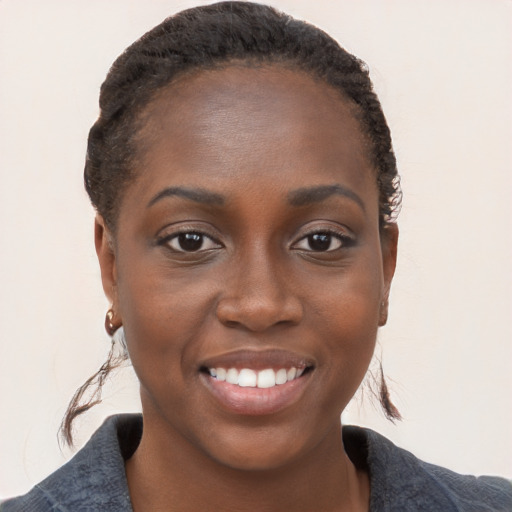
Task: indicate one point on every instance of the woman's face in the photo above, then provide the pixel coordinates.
(249, 248)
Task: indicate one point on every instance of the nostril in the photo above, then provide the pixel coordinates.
(259, 313)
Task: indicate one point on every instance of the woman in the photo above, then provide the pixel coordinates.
(246, 189)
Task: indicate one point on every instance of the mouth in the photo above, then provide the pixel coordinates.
(262, 379)
(257, 383)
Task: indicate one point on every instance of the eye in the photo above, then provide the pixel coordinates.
(322, 241)
(190, 241)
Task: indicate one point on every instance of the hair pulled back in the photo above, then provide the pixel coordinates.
(205, 38)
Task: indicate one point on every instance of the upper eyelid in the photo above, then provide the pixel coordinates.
(171, 236)
(166, 241)
(330, 230)
(179, 228)
(340, 232)
(212, 241)
(173, 230)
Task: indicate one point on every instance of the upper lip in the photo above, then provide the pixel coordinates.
(259, 360)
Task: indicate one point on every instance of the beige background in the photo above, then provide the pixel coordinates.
(443, 72)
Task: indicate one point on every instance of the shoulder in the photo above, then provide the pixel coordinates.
(94, 479)
(400, 481)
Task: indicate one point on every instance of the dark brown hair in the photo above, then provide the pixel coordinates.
(205, 38)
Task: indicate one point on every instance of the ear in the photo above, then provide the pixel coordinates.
(389, 244)
(104, 243)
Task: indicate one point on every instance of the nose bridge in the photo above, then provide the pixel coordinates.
(257, 294)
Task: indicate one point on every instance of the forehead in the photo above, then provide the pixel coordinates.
(244, 122)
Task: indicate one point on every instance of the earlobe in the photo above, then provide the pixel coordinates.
(383, 313)
(106, 257)
(389, 243)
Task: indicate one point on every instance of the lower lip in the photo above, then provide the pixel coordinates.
(256, 401)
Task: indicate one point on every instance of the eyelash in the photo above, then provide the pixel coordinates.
(168, 239)
(344, 240)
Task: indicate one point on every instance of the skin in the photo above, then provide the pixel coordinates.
(254, 136)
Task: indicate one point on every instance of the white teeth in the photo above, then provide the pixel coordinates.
(281, 377)
(232, 376)
(248, 378)
(266, 378)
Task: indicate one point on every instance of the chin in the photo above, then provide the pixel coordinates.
(255, 458)
(257, 449)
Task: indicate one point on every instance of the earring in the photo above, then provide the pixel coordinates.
(110, 327)
(116, 332)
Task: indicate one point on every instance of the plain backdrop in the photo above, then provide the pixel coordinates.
(442, 69)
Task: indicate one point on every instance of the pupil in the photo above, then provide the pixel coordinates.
(319, 241)
(190, 241)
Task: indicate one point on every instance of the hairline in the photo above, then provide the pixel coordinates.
(141, 111)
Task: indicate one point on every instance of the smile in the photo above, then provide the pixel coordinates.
(252, 383)
(248, 378)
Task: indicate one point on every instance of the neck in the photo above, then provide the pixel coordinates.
(169, 473)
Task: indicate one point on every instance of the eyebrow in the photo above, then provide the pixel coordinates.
(199, 195)
(309, 195)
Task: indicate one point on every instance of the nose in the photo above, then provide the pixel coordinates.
(258, 296)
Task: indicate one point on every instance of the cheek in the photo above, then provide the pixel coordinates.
(154, 293)
(163, 316)
(349, 298)
(346, 315)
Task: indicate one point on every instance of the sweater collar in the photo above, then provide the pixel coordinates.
(96, 474)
